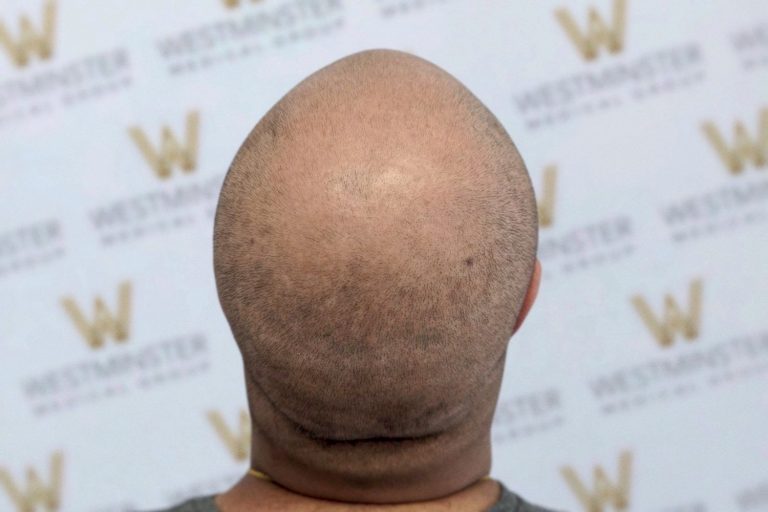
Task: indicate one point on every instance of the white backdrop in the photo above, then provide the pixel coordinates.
(639, 380)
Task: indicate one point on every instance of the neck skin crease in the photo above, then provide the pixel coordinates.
(452, 482)
(253, 494)
(407, 472)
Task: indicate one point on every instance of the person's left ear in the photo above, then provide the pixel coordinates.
(530, 296)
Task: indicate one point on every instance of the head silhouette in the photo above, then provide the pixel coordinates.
(374, 251)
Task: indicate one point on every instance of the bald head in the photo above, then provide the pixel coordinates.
(374, 242)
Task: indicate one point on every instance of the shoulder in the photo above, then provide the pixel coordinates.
(203, 504)
(511, 502)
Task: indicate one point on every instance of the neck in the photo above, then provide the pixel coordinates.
(382, 472)
(385, 471)
(252, 493)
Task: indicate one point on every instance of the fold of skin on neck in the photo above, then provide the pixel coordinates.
(378, 470)
(251, 494)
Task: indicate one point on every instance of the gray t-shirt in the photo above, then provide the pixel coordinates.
(508, 502)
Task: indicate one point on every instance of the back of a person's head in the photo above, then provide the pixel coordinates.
(374, 243)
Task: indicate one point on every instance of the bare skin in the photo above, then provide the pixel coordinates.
(374, 250)
(255, 494)
(252, 494)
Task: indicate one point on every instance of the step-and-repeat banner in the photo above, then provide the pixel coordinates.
(639, 383)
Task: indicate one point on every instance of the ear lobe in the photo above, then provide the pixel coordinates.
(530, 296)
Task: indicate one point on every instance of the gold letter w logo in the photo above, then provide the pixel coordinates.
(744, 148)
(674, 319)
(598, 33)
(547, 198)
(103, 323)
(605, 493)
(37, 494)
(231, 4)
(30, 40)
(238, 443)
(170, 151)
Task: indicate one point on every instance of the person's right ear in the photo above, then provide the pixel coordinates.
(530, 296)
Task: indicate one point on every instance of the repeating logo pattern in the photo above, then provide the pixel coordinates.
(547, 196)
(34, 492)
(598, 32)
(647, 148)
(606, 493)
(236, 439)
(32, 40)
(675, 319)
(103, 322)
(170, 151)
(231, 4)
(745, 149)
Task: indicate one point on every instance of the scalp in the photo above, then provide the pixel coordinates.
(374, 239)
